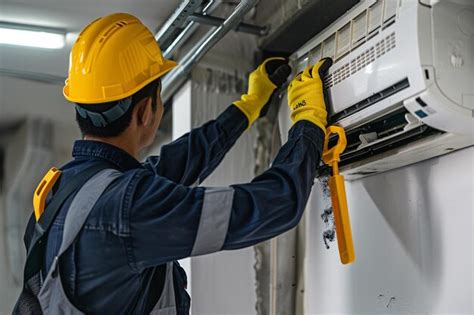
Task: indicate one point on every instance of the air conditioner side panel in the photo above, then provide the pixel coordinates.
(446, 52)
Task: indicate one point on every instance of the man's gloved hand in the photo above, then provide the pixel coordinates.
(306, 94)
(272, 73)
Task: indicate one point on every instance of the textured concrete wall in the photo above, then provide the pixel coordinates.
(24, 155)
(8, 290)
(275, 13)
(15, 147)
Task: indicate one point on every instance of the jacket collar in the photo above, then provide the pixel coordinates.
(87, 149)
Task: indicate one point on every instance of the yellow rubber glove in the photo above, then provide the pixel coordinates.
(263, 81)
(306, 94)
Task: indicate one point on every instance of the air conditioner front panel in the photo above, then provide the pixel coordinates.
(394, 82)
(352, 81)
(378, 62)
(393, 59)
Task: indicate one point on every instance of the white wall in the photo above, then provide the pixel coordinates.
(181, 124)
(221, 283)
(413, 230)
(413, 234)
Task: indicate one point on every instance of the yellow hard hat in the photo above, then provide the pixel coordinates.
(113, 57)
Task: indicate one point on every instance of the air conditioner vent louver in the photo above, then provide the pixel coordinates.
(374, 98)
(361, 61)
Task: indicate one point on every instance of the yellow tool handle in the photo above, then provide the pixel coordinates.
(341, 217)
(332, 156)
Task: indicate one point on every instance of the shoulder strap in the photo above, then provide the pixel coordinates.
(35, 248)
(82, 205)
(51, 210)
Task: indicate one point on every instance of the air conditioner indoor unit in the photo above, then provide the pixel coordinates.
(402, 82)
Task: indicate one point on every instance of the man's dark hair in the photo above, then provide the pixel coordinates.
(116, 127)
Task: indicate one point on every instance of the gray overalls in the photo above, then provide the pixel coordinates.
(52, 296)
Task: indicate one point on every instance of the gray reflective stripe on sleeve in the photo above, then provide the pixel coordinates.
(215, 216)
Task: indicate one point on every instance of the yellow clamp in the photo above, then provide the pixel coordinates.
(338, 194)
(42, 191)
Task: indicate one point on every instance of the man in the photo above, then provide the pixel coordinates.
(122, 259)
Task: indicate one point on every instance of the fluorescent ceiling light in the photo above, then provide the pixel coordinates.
(31, 36)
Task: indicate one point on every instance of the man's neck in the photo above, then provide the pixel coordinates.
(124, 143)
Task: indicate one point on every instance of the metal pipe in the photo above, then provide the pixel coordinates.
(177, 20)
(189, 30)
(177, 76)
(216, 21)
(180, 39)
(211, 5)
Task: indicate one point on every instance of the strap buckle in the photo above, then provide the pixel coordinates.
(43, 189)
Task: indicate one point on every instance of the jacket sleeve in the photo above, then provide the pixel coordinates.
(195, 155)
(169, 221)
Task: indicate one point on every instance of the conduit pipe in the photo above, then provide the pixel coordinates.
(189, 30)
(176, 20)
(216, 21)
(178, 75)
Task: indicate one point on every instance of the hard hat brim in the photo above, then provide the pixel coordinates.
(167, 66)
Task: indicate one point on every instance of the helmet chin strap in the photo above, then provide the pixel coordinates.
(102, 119)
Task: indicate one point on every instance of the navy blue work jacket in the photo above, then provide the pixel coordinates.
(154, 214)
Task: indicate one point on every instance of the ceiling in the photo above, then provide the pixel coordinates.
(72, 15)
(18, 96)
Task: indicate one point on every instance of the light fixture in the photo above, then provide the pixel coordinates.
(32, 36)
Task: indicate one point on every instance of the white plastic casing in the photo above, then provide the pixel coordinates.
(380, 43)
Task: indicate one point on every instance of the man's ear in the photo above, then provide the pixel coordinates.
(144, 112)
